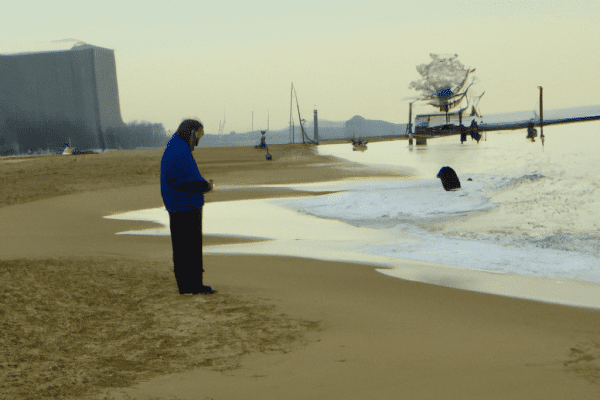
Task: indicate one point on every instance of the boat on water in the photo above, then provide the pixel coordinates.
(359, 144)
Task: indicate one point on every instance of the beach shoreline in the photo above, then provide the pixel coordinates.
(344, 330)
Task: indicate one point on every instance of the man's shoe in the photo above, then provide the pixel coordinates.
(206, 290)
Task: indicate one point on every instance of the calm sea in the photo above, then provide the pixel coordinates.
(530, 209)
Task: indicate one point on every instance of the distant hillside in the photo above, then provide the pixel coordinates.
(328, 130)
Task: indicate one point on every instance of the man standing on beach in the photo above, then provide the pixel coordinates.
(182, 189)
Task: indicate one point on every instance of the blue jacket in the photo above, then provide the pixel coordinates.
(178, 167)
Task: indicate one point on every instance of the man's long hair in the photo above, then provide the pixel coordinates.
(187, 127)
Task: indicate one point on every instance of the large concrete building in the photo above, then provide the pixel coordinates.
(48, 97)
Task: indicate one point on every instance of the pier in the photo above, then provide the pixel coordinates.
(454, 123)
(451, 129)
(523, 124)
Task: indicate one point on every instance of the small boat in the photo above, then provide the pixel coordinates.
(359, 144)
(68, 149)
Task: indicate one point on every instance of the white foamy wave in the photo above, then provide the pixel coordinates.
(385, 204)
(557, 210)
(490, 254)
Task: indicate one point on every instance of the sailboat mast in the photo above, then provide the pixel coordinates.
(299, 117)
(291, 127)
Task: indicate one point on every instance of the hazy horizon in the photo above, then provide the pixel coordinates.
(346, 58)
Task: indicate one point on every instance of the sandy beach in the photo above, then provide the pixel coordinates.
(87, 314)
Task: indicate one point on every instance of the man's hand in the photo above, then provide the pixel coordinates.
(210, 183)
(196, 186)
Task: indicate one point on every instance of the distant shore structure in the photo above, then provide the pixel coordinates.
(444, 84)
(48, 95)
(446, 122)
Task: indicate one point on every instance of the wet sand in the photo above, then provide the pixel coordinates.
(89, 314)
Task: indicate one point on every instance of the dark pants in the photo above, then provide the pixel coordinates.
(186, 237)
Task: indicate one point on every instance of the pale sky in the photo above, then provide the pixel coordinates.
(200, 59)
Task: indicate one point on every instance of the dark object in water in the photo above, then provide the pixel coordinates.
(470, 180)
(449, 178)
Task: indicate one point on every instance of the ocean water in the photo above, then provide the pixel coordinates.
(530, 209)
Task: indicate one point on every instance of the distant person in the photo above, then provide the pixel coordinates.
(182, 188)
(531, 131)
(449, 178)
(475, 131)
(263, 143)
(463, 134)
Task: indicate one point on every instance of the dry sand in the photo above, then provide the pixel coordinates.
(88, 314)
